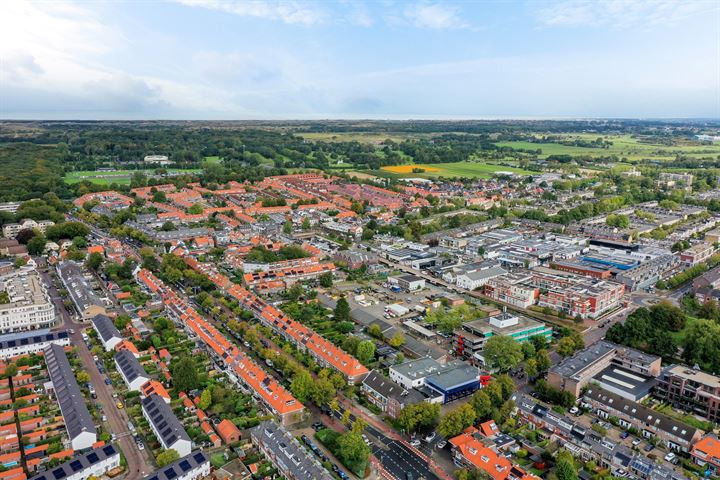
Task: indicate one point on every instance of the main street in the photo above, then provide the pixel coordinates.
(137, 463)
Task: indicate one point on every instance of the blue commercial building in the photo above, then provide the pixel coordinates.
(455, 383)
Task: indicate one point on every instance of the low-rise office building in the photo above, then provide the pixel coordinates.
(78, 422)
(165, 425)
(29, 306)
(412, 374)
(293, 460)
(469, 341)
(456, 382)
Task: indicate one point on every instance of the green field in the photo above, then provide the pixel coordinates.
(121, 177)
(623, 146)
(455, 169)
(213, 159)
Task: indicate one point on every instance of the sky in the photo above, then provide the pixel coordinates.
(384, 59)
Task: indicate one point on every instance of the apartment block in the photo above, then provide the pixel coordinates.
(574, 373)
(513, 289)
(698, 253)
(29, 306)
(692, 390)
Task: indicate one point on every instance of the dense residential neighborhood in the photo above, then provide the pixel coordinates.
(556, 323)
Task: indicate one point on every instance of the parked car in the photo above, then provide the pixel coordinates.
(624, 435)
(140, 446)
(575, 410)
(119, 405)
(670, 457)
(108, 381)
(317, 426)
(366, 439)
(649, 447)
(430, 437)
(415, 442)
(441, 444)
(636, 442)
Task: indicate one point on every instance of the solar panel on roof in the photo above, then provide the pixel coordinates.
(185, 465)
(199, 457)
(109, 450)
(170, 473)
(93, 458)
(75, 465)
(59, 473)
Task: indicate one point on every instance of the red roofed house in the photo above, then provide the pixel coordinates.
(469, 451)
(489, 428)
(153, 386)
(706, 453)
(228, 431)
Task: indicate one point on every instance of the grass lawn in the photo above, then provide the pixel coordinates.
(121, 177)
(213, 159)
(217, 460)
(455, 169)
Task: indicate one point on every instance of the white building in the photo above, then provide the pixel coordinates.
(167, 428)
(29, 306)
(157, 159)
(476, 279)
(130, 370)
(12, 229)
(412, 374)
(191, 467)
(28, 343)
(93, 464)
(107, 332)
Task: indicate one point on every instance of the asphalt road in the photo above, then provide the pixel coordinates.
(138, 464)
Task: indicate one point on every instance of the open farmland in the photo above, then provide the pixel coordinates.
(623, 146)
(456, 169)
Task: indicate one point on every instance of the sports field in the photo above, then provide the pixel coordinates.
(455, 169)
(121, 177)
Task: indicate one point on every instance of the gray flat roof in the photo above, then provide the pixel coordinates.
(455, 377)
(419, 368)
(72, 404)
(632, 384)
(571, 366)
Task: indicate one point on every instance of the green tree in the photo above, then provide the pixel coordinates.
(82, 377)
(302, 385)
(565, 468)
(184, 374)
(397, 340)
(457, 420)
(502, 352)
(342, 310)
(420, 415)
(205, 399)
(482, 404)
(531, 367)
(288, 228)
(167, 457)
(36, 245)
(352, 450)
(375, 331)
(543, 360)
(93, 261)
(326, 280)
(306, 224)
(566, 346)
(323, 391)
(365, 351)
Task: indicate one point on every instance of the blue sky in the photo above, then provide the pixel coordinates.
(257, 59)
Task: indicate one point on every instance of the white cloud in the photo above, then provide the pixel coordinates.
(621, 13)
(435, 16)
(287, 11)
